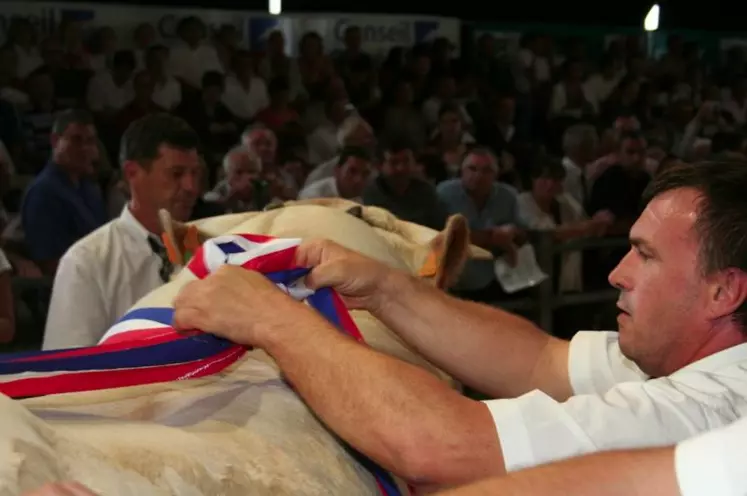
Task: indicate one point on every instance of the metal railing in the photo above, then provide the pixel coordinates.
(545, 300)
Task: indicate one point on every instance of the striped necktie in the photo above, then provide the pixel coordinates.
(166, 266)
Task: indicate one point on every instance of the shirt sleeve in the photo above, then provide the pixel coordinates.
(596, 364)
(713, 463)
(74, 284)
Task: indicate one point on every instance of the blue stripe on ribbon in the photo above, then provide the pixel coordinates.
(162, 315)
(323, 302)
(230, 247)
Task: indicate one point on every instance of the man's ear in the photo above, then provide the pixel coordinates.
(729, 293)
(447, 253)
(130, 170)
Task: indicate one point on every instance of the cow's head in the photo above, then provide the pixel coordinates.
(437, 256)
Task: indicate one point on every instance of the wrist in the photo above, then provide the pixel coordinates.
(393, 285)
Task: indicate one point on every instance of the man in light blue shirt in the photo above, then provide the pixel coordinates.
(492, 211)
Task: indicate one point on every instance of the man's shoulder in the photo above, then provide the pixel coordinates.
(450, 187)
(95, 246)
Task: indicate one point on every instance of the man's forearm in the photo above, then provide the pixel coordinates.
(624, 473)
(397, 414)
(489, 349)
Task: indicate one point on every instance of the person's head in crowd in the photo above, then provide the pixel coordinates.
(160, 160)
(144, 36)
(191, 30)
(228, 36)
(688, 247)
(40, 88)
(279, 92)
(104, 41)
(311, 46)
(52, 53)
(353, 39)
(403, 93)
(352, 171)
(669, 162)
(242, 65)
(504, 109)
(580, 143)
(336, 110)
(450, 123)
(626, 123)
(213, 85)
(123, 65)
(276, 44)
(632, 152)
(156, 60)
(479, 172)
(8, 65)
(430, 167)
(421, 62)
(546, 175)
(21, 32)
(397, 166)
(242, 168)
(263, 142)
(628, 90)
(143, 86)
(445, 88)
(573, 71)
(295, 167)
(356, 132)
(74, 143)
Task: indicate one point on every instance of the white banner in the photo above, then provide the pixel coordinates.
(380, 33)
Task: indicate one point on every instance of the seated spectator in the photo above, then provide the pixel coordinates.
(70, 83)
(323, 142)
(110, 90)
(7, 303)
(141, 105)
(242, 190)
(431, 168)
(361, 87)
(579, 145)
(279, 111)
(349, 179)
(167, 92)
(191, 57)
(293, 170)
(245, 93)
(354, 132)
(9, 81)
(21, 37)
(402, 118)
(445, 94)
(116, 265)
(64, 203)
(214, 123)
(37, 121)
(398, 190)
(547, 208)
(450, 140)
(492, 211)
(570, 97)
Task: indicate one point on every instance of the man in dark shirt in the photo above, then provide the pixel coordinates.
(397, 190)
(64, 203)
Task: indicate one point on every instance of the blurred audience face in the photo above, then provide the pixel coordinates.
(398, 168)
(352, 177)
(450, 126)
(505, 110)
(264, 144)
(242, 66)
(212, 94)
(276, 44)
(633, 153)
(144, 36)
(192, 32)
(172, 181)
(479, 171)
(362, 136)
(244, 171)
(228, 36)
(156, 62)
(422, 66)
(297, 170)
(337, 111)
(76, 149)
(547, 187)
(143, 86)
(121, 73)
(353, 39)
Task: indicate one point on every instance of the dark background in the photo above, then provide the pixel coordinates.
(716, 15)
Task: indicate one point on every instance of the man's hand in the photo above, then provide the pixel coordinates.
(361, 281)
(504, 236)
(62, 489)
(240, 305)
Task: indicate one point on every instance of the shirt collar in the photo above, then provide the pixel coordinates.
(717, 361)
(134, 226)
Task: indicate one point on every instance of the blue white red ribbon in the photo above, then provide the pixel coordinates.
(144, 348)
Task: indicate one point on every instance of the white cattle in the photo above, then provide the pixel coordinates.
(240, 432)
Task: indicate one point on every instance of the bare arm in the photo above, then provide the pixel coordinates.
(624, 473)
(489, 349)
(396, 413)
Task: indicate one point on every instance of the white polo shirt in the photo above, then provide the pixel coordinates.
(713, 463)
(616, 407)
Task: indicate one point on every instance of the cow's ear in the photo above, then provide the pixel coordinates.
(447, 253)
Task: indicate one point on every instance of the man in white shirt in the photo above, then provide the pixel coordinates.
(678, 366)
(191, 58)
(105, 273)
(245, 94)
(109, 91)
(709, 464)
(349, 179)
(579, 144)
(167, 92)
(323, 143)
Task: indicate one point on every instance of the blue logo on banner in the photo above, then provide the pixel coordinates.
(260, 29)
(77, 15)
(426, 31)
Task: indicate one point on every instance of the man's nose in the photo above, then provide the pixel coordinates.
(619, 277)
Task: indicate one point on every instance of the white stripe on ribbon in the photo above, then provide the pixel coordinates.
(132, 325)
